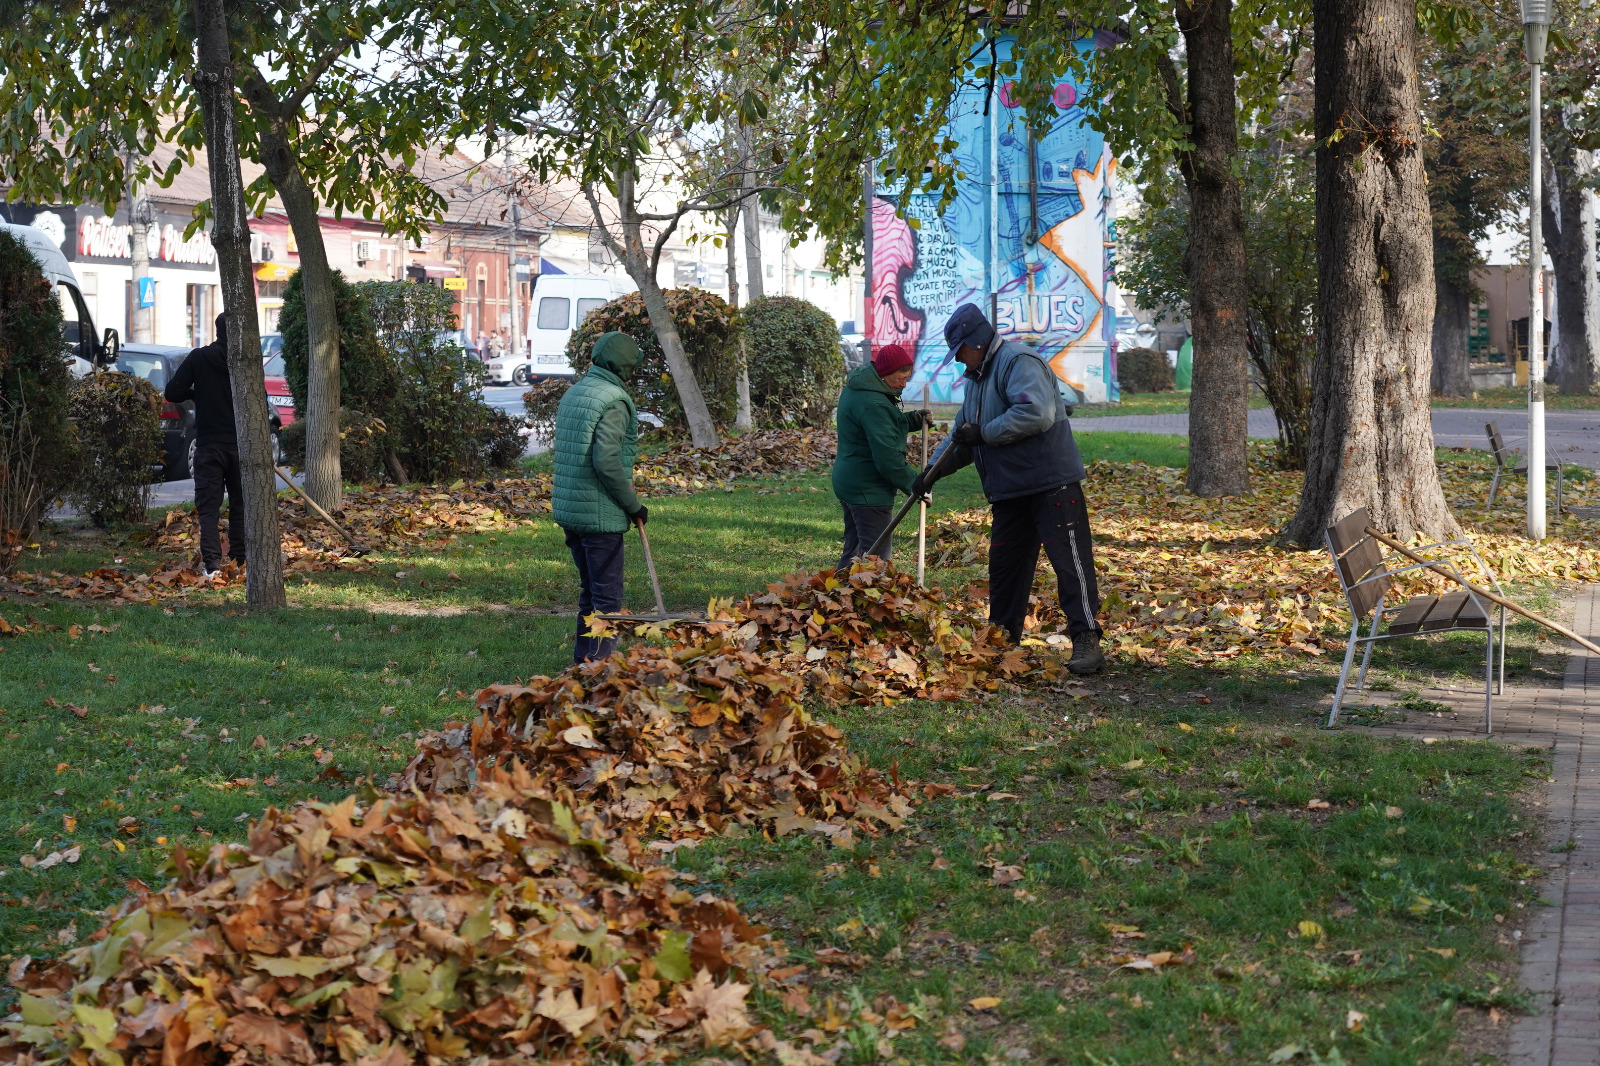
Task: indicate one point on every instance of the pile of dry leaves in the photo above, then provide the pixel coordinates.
(681, 741)
(508, 924)
(121, 584)
(766, 453)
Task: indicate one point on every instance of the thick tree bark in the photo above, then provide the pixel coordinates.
(640, 262)
(1371, 439)
(1569, 237)
(1452, 374)
(742, 419)
(1219, 405)
(324, 481)
(214, 84)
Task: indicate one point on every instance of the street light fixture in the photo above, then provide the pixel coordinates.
(1536, 16)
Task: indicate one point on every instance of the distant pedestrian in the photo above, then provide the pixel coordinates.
(596, 442)
(1013, 424)
(870, 464)
(203, 378)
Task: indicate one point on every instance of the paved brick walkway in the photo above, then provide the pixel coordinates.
(1560, 943)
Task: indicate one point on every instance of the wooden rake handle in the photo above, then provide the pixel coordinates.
(1485, 593)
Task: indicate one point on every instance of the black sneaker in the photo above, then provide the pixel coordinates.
(1087, 658)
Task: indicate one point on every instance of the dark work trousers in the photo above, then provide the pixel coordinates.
(599, 559)
(216, 470)
(1059, 521)
(863, 525)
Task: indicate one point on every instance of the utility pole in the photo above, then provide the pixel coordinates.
(1535, 32)
(142, 320)
(516, 285)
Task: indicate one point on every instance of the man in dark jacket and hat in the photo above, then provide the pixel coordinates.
(1013, 425)
(203, 378)
(592, 498)
(871, 460)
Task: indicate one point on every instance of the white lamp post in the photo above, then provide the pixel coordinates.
(1535, 30)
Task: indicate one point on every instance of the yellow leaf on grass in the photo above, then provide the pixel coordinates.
(1311, 930)
(1133, 764)
(1318, 805)
(984, 1003)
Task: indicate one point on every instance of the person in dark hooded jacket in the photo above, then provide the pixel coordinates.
(203, 378)
(592, 497)
(870, 465)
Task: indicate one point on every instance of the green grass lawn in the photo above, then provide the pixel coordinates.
(1516, 398)
(1120, 819)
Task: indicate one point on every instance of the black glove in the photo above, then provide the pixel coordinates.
(919, 487)
(968, 434)
(641, 516)
(921, 418)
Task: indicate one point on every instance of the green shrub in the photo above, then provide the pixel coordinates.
(796, 365)
(120, 446)
(1143, 370)
(501, 442)
(541, 402)
(709, 329)
(367, 378)
(363, 443)
(439, 427)
(37, 451)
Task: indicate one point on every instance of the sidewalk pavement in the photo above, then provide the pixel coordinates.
(1571, 436)
(1560, 943)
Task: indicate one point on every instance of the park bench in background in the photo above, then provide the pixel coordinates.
(1360, 562)
(1503, 455)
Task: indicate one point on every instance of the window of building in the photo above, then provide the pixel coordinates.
(198, 315)
(555, 312)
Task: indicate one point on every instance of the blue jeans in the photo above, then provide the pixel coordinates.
(599, 559)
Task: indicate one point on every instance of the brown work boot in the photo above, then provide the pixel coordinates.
(1087, 658)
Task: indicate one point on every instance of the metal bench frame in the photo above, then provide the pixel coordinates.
(1497, 446)
(1359, 596)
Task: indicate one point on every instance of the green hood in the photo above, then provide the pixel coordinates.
(616, 352)
(864, 377)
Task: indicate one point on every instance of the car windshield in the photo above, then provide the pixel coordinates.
(152, 368)
(271, 344)
(273, 367)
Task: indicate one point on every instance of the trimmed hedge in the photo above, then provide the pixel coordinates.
(37, 451)
(709, 329)
(120, 444)
(1143, 370)
(796, 364)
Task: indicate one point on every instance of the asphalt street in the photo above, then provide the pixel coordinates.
(1571, 436)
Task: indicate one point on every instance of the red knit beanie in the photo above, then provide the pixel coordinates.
(889, 358)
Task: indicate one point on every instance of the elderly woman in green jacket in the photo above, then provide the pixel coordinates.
(871, 462)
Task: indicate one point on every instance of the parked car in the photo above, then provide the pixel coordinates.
(852, 344)
(77, 325)
(560, 303)
(459, 338)
(278, 394)
(156, 363)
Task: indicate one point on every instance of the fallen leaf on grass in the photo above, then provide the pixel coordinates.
(81, 712)
(1123, 932)
(1443, 953)
(984, 1002)
(1318, 805)
(1393, 812)
(1354, 1020)
(55, 858)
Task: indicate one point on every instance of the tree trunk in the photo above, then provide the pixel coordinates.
(1452, 375)
(640, 263)
(231, 238)
(140, 216)
(1569, 237)
(1371, 439)
(1219, 405)
(742, 420)
(752, 222)
(324, 480)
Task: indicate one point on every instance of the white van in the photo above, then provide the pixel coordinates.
(88, 351)
(560, 302)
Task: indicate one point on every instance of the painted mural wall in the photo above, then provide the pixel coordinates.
(1035, 257)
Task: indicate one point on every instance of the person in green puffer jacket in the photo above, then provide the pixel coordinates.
(871, 461)
(592, 498)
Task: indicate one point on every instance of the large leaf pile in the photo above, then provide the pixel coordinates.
(681, 741)
(508, 924)
(764, 454)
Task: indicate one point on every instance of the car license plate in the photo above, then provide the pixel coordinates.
(281, 401)
(552, 359)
